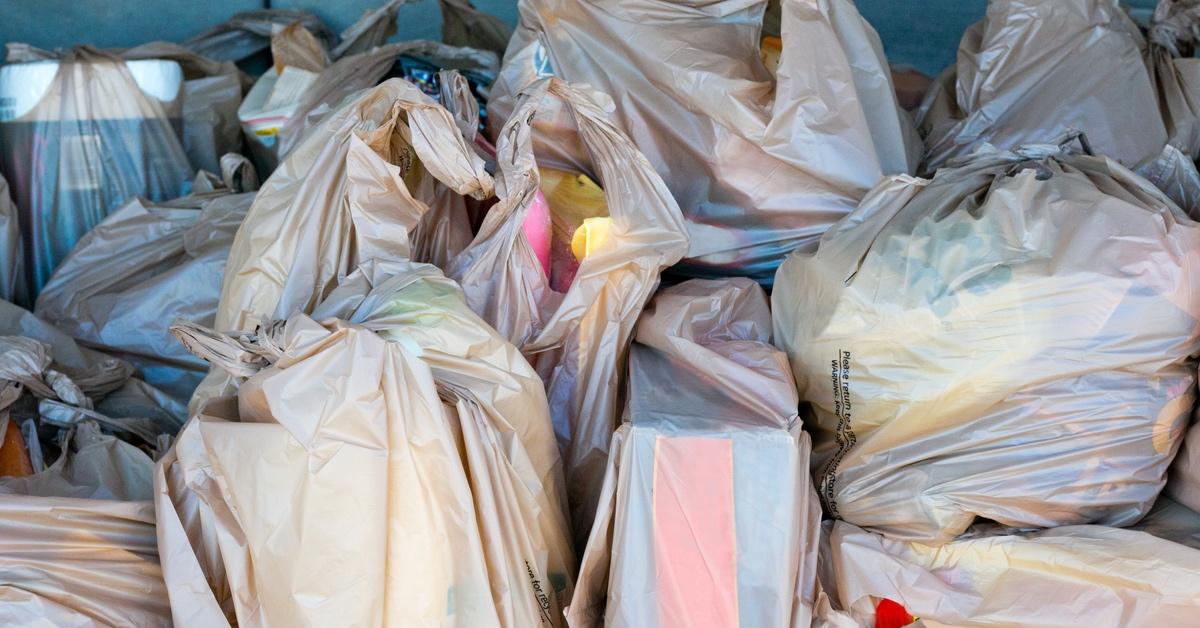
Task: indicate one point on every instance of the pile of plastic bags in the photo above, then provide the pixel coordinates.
(649, 323)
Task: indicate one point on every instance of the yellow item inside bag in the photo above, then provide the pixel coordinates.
(578, 218)
(590, 236)
(771, 47)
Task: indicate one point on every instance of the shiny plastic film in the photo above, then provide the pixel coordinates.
(761, 164)
(576, 337)
(1012, 340)
(708, 514)
(427, 490)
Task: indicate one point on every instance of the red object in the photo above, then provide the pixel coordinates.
(889, 614)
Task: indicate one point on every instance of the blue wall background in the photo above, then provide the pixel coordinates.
(922, 33)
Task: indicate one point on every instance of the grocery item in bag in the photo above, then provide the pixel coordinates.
(84, 134)
(708, 514)
(146, 264)
(77, 542)
(1032, 70)
(575, 337)
(426, 488)
(340, 199)
(1183, 483)
(760, 163)
(1012, 340)
(1070, 576)
(12, 273)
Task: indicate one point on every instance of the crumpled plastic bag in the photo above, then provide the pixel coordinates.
(212, 92)
(343, 197)
(1032, 70)
(353, 73)
(1012, 340)
(1175, 72)
(576, 340)
(1183, 481)
(12, 271)
(708, 514)
(464, 25)
(1070, 576)
(77, 540)
(98, 140)
(397, 467)
(249, 32)
(147, 264)
(760, 164)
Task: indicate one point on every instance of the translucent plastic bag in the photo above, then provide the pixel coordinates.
(576, 339)
(343, 197)
(1033, 70)
(425, 490)
(1013, 340)
(1070, 576)
(77, 541)
(144, 265)
(760, 163)
(100, 131)
(1175, 72)
(708, 514)
(249, 32)
(12, 272)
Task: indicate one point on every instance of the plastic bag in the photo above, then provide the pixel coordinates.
(249, 32)
(464, 25)
(341, 198)
(1175, 72)
(1033, 70)
(1012, 340)
(1183, 481)
(759, 165)
(87, 132)
(426, 488)
(576, 339)
(144, 265)
(12, 273)
(351, 74)
(77, 541)
(1069, 576)
(708, 514)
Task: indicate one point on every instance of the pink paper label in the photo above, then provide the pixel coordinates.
(695, 541)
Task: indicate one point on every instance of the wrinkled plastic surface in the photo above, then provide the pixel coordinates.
(425, 488)
(1069, 576)
(464, 25)
(1010, 340)
(141, 268)
(1175, 72)
(341, 198)
(249, 33)
(1032, 70)
(1183, 482)
(12, 273)
(577, 340)
(77, 542)
(93, 141)
(759, 164)
(708, 515)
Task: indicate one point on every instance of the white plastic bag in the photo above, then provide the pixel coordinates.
(1012, 340)
(708, 514)
(759, 163)
(1032, 70)
(575, 339)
